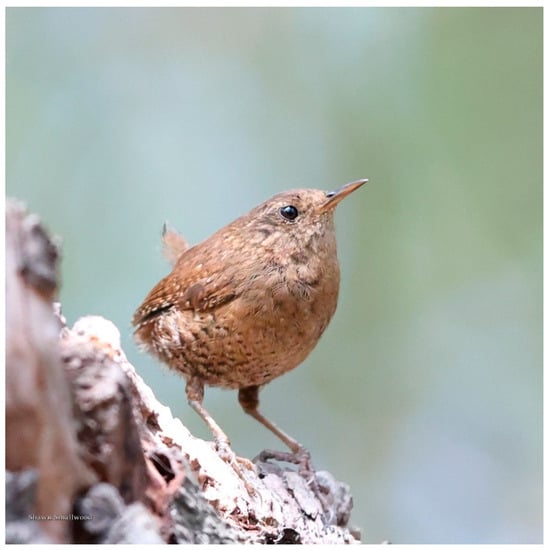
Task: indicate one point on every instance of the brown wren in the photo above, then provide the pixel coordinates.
(247, 304)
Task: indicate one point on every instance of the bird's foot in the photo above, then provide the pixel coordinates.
(239, 464)
(301, 458)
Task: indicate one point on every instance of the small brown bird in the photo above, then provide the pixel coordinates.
(248, 304)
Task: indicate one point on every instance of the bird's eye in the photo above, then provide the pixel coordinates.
(289, 212)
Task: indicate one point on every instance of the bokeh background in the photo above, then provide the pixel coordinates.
(425, 394)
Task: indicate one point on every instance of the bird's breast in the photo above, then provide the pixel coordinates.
(291, 306)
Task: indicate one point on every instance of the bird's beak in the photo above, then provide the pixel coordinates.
(333, 198)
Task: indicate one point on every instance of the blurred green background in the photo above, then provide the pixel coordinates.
(425, 394)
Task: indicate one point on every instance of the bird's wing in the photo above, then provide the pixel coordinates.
(196, 284)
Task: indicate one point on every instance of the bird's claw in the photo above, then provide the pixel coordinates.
(301, 458)
(237, 463)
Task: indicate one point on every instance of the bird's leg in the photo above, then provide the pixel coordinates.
(249, 401)
(195, 395)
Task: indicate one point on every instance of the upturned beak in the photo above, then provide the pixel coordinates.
(333, 198)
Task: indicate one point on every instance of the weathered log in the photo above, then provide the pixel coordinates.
(40, 431)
